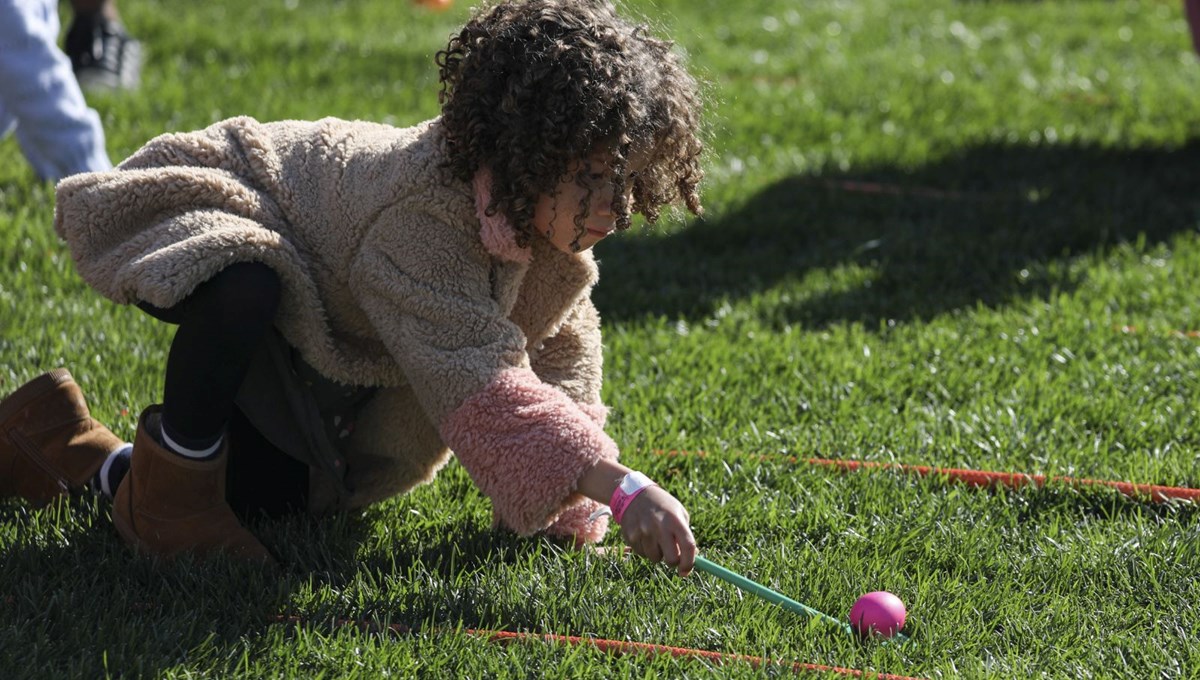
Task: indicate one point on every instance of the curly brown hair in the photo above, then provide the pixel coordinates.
(528, 88)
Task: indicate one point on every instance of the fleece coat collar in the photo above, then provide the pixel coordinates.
(495, 231)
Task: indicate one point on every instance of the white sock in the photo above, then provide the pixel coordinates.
(113, 471)
(175, 447)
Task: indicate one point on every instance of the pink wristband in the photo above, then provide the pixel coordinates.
(631, 485)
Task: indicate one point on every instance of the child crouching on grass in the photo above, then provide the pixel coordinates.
(355, 301)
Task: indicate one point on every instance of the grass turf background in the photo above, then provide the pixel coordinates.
(925, 221)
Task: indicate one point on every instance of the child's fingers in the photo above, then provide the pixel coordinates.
(687, 553)
(679, 547)
(670, 549)
(651, 550)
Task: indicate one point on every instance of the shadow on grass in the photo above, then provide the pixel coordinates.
(83, 605)
(1098, 504)
(991, 224)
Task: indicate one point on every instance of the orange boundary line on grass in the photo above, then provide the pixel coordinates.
(980, 478)
(1175, 333)
(619, 648)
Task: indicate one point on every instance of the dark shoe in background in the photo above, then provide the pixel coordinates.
(104, 56)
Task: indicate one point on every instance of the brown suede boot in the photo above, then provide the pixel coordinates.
(168, 504)
(49, 442)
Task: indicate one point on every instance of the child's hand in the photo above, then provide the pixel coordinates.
(658, 528)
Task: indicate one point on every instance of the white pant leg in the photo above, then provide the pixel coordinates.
(57, 131)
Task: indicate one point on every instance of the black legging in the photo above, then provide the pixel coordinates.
(221, 325)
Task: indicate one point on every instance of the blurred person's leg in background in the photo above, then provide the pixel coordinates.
(40, 98)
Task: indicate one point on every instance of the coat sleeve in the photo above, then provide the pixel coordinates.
(572, 361)
(426, 288)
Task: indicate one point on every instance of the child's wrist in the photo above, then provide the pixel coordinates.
(630, 487)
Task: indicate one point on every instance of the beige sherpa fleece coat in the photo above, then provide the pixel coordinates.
(392, 277)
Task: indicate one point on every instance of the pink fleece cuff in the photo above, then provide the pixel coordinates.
(573, 523)
(525, 445)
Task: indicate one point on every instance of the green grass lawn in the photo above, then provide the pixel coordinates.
(925, 222)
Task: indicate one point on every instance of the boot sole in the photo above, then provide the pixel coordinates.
(140, 547)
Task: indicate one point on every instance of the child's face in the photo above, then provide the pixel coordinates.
(554, 214)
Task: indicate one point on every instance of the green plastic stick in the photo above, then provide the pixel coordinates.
(736, 579)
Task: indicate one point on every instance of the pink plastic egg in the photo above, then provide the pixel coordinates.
(878, 613)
